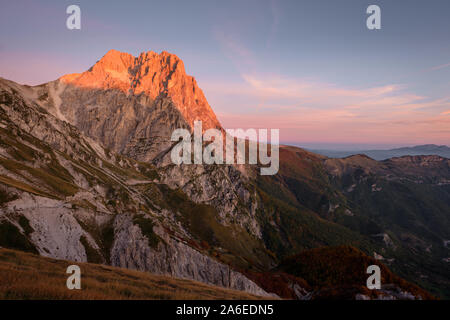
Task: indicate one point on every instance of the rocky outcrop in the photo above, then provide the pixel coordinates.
(56, 232)
(132, 104)
(172, 257)
(154, 75)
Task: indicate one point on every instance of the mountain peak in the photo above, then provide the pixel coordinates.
(152, 74)
(116, 60)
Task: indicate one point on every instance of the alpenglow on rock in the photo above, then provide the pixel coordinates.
(132, 104)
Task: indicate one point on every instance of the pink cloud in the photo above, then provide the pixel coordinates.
(313, 111)
(442, 66)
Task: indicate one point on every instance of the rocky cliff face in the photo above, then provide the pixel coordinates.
(172, 257)
(132, 104)
(64, 196)
(150, 74)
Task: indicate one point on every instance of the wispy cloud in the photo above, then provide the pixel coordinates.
(442, 66)
(235, 50)
(279, 87)
(328, 112)
(276, 18)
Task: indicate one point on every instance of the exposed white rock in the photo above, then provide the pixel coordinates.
(172, 257)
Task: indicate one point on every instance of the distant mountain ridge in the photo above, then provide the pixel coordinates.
(420, 150)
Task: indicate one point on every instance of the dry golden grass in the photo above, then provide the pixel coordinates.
(28, 276)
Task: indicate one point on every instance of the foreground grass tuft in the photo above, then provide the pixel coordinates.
(28, 276)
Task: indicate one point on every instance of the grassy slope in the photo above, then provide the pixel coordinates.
(28, 276)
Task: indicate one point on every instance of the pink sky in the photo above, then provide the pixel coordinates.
(310, 111)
